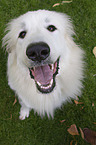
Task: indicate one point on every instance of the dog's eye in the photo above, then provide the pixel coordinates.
(51, 28)
(22, 34)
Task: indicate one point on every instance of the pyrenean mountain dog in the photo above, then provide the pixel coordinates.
(45, 66)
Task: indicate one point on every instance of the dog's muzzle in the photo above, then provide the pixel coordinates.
(44, 75)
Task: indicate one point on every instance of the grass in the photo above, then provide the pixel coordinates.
(35, 130)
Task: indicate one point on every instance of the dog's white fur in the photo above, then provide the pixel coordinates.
(68, 81)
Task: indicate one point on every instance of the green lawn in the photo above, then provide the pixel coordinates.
(35, 130)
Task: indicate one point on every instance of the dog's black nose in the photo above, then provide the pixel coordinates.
(38, 51)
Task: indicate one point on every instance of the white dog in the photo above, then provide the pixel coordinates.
(45, 66)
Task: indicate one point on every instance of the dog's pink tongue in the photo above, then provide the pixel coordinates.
(43, 74)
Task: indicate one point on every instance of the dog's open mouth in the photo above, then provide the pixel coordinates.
(44, 76)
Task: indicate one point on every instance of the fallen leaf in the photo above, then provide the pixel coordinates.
(76, 143)
(76, 102)
(71, 142)
(73, 130)
(92, 104)
(62, 121)
(82, 108)
(94, 122)
(66, 1)
(82, 133)
(94, 51)
(90, 136)
(15, 101)
(57, 4)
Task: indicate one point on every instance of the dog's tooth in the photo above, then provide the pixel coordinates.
(46, 87)
(52, 65)
(43, 87)
(51, 82)
(38, 83)
(50, 85)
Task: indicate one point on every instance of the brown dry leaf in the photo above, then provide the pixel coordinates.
(76, 102)
(73, 130)
(90, 136)
(82, 134)
(15, 101)
(94, 51)
(82, 108)
(57, 4)
(93, 105)
(71, 142)
(62, 121)
(94, 122)
(66, 1)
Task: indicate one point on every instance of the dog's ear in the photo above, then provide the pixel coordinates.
(8, 42)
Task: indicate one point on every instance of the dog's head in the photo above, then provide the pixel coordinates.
(39, 41)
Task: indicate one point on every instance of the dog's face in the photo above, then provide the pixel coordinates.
(40, 43)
